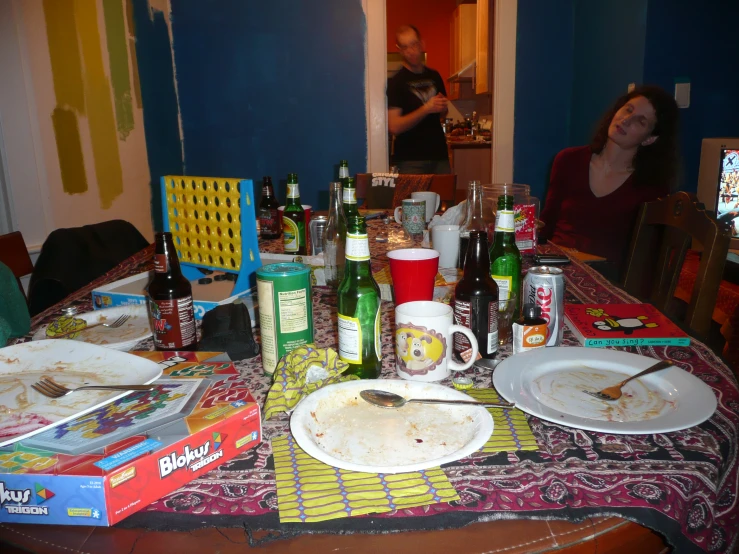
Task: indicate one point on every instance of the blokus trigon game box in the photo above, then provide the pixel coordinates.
(104, 466)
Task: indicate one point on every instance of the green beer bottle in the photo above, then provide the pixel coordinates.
(293, 219)
(349, 196)
(505, 258)
(359, 306)
(343, 171)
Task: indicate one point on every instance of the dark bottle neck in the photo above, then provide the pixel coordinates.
(477, 262)
(165, 256)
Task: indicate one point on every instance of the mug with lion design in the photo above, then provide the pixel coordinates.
(424, 332)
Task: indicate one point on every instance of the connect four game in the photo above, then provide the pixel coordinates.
(213, 225)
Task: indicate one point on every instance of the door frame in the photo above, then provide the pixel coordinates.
(505, 14)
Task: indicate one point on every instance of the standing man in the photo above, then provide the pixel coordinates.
(416, 100)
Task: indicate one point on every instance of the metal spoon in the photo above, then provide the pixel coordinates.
(386, 399)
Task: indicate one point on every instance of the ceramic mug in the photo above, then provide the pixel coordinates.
(432, 202)
(412, 215)
(424, 332)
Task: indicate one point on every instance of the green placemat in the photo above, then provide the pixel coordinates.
(511, 430)
(309, 490)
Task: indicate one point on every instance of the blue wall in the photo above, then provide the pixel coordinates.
(609, 41)
(544, 76)
(156, 75)
(575, 57)
(264, 88)
(698, 41)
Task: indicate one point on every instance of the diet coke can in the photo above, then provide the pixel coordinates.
(544, 286)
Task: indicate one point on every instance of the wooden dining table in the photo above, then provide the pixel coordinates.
(578, 491)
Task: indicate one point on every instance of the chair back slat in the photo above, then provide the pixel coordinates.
(444, 185)
(666, 227)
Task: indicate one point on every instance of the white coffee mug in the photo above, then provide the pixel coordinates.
(445, 240)
(432, 202)
(424, 332)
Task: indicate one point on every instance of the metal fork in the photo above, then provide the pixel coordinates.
(49, 388)
(117, 323)
(614, 392)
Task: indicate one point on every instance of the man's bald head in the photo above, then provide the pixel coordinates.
(404, 29)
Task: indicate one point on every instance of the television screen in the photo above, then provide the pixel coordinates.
(727, 203)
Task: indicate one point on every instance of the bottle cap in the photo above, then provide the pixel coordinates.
(462, 383)
(531, 311)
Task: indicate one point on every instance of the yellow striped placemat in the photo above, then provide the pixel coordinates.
(309, 490)
(511, 431)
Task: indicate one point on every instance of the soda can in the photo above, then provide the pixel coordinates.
(544, 286)
(285, 310)
(318, 224)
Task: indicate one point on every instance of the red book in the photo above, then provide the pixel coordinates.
(599, 325)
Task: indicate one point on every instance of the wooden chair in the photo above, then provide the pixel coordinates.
(663, 233)
(14, 254)
(444, 185)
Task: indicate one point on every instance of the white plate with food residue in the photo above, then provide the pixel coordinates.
(135, 329)
(25, 412)
(549, 383)
(336, 426)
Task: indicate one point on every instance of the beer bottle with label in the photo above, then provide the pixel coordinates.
(343, 171)
(293, 219)
(349, 195)
(476, 300)
(171, 312)
(359, 306)
(269, 223)
(505, 258)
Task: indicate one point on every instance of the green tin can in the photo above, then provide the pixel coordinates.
(285, 310)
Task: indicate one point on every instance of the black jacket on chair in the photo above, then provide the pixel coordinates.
(72, 258)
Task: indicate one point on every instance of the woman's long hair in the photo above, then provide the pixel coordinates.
(657, 162)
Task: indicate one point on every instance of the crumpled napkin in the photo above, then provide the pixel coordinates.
(453, 216)
(301, 372)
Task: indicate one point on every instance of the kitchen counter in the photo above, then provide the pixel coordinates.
(471, 161)
(468, 144)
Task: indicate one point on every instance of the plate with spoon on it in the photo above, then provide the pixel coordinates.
(338, 427)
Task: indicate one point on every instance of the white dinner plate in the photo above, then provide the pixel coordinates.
(25, 412)
(336, 426)
(549, 383)
(125, 337)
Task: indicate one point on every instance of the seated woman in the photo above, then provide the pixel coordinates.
(595, 191)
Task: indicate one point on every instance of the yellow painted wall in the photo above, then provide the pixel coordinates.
(90, 122)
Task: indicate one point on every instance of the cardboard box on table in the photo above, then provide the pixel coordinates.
(206, 297)
(40, 483)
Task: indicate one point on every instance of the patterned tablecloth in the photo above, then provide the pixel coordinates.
(683, 485)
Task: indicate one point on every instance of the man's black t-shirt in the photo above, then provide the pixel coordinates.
(409, 91)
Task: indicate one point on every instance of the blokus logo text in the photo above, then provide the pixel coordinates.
(193, 459)
(18, 498)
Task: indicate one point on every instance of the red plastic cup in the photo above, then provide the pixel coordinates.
(413, 271)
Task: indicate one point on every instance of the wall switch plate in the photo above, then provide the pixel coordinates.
(631, 87)
(682, 94)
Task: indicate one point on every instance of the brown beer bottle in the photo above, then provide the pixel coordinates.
(475, 300)
(269, 222)
(171, 312)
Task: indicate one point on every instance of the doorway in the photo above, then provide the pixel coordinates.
(504, 86)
